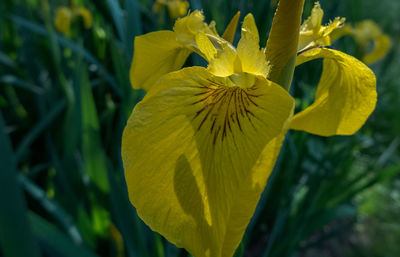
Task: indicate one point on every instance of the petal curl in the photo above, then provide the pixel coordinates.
(197, 153)
(345, 97)
(155, 54)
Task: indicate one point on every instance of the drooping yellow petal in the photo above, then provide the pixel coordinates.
(282, 43)
(230, 30)
(63, 19)
(345, 97)
(155, 54)
(86, 16)
(197, 153)
(158, 53)
(252, 58)
(381, 48)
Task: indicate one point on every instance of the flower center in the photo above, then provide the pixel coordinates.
(224, 108)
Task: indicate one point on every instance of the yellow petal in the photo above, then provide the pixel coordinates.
(226, 62)
(336, 24)
(63, 19)
(188, 27)
(340, 32)
(252, 58)
(282, 43)
(205, 46)
(197, 153)
(381, 48)
(313, 34)
(155, 54)
(230, 30)
(87, 17)
(345, 97)
(212, 27)
(314, 21)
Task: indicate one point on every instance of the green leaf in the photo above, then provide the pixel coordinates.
(4, 59)
(118, 18)
(134, 24)
(14, 225)
(10, 79)
(92, 149)
(52, 237)
(126, 219)
(53, 208)
(93, 155)
(39, 128)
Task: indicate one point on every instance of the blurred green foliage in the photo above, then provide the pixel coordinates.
(64, 101)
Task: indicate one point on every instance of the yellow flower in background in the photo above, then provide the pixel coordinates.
(63, 19)
(367, 32)
(176, 8)
(64, 15)
(313, 33)
(199, 148)
(369, 36)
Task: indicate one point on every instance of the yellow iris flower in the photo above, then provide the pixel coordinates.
(199, 148)
(64, 15)
(176, 8)
(337, 109)
(313, 34)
